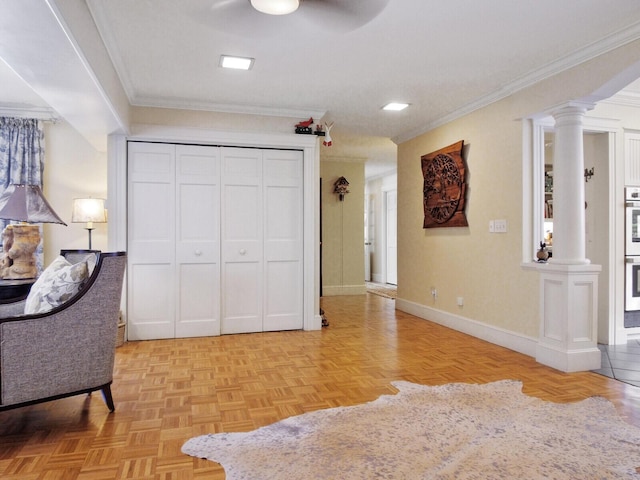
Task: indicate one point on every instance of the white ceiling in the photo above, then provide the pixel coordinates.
(445, 58)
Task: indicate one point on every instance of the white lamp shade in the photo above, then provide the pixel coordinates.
(276, 7)
(88, 210)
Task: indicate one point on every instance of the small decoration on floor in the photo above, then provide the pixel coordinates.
(325, 322)
(341, 187)
(543, 253)
(327, 138)
(304, 127)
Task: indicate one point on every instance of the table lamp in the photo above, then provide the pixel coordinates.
(89, 211)
(26, 204)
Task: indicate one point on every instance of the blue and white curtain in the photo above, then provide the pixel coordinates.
(21, 158)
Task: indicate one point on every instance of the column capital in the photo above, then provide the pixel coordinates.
(572, 107)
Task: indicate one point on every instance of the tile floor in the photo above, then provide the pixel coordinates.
(621, 362)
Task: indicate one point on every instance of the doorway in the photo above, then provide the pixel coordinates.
(391, 236)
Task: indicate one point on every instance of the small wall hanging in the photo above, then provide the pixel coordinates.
(341, 187)
(444, 187)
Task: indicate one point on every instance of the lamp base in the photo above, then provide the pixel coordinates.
(17, 261)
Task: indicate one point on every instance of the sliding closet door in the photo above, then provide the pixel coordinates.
(174, 241)
(151, 231)
(262, 226)
(242, 245)
(198, 240)
(215, 240)
(283, 203)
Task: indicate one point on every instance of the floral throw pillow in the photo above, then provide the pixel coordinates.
(58, 283)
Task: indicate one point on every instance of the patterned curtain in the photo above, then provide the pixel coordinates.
(21, 158)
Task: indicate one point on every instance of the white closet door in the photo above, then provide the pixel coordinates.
(198, 240)
(283, 239)
(151, 239)
(242, 240)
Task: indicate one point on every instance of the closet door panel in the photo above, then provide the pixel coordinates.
(242, 245)
(242, 297)
(199, 300)
(151, 305)
(198, 240)
(151, 231)
(283, 240)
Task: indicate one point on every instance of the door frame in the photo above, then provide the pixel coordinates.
(389, 184)
(308, 144)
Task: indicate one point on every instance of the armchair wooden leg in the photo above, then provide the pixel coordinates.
(108, 399)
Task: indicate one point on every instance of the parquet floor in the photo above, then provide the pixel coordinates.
(170, 390)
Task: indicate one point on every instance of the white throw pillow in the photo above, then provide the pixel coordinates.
(58, 283)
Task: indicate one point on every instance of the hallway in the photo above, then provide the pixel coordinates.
(621, 362)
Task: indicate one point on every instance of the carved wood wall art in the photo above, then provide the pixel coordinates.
(444, 187)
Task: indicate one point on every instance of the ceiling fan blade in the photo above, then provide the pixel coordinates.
(238, 17)
(341, 16)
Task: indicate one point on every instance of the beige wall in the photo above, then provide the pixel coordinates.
(342, 230)
(485, 268)
(73, 169)
(482, 267)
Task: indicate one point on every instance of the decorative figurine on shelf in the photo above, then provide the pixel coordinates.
(305, 127)
(543, 253)
(327, 137)
(319, 130)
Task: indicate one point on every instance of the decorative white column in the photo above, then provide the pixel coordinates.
(569, 282)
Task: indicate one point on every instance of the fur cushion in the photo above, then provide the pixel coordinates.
(58, 283)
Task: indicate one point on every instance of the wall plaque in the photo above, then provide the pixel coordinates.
(444, 187)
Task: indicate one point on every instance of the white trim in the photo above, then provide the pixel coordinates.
(498, 336)
(45, 114)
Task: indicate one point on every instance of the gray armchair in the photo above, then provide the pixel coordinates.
(68, 350)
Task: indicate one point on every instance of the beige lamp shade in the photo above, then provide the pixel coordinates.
(88, 210)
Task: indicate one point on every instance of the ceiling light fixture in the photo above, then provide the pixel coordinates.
(395, 106)
(276, 7)
(239, 63)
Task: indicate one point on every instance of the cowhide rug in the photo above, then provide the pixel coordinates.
(456, 431)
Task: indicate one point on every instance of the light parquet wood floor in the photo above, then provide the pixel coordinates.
(170, 390)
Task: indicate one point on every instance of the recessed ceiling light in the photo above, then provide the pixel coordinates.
(239, 63)
(395, 106)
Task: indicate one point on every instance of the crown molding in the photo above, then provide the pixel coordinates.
(41, 113)
(605, 45)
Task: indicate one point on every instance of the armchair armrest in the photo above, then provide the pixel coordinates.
(12, 309)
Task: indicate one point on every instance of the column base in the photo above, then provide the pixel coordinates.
(569, 360)
(569, 317)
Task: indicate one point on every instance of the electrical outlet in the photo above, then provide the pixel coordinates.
(434, 292)
(500, 226)
(460, 301)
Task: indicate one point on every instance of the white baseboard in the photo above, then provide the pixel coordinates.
(498, 336)
(335, 290)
